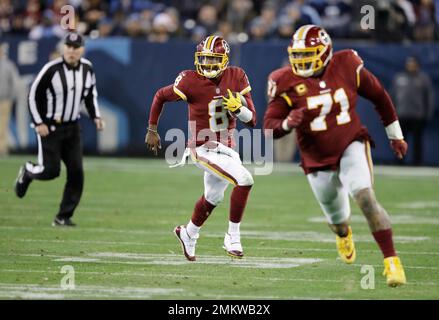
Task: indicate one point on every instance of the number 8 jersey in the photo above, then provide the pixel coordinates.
(207, 116)
(330, 122)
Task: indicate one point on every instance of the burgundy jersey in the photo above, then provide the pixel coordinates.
(209, 120)
(330, 122)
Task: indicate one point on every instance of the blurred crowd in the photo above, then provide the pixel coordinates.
(237, 20)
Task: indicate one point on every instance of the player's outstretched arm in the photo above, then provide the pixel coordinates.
(280, 118)
(372, 89)
(163, 95)
(152, 139)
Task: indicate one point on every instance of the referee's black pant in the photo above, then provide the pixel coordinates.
(416, 127)
(63, 143)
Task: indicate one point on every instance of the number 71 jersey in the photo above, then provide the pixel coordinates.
(330, 122)
(204, 97)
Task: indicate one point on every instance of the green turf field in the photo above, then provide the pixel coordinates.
(124, 248)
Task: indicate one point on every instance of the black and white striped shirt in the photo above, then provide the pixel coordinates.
(60, 90)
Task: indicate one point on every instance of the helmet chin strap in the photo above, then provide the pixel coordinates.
(318, 72)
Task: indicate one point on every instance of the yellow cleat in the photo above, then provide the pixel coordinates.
(394, 272)
(346, 247)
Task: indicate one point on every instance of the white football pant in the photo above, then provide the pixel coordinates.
(222, 166)
(332, 188)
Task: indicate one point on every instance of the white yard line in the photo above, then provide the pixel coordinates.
(177, 259)
(394, 218)
(156, 275)
(312, 236)
(414, 205)
(13, 293)
(33, 291)
(125, 243)
(256, 248)
(173, 259)
(270, 248)
(299, 236)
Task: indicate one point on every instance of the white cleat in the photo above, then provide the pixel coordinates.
(187, 243)
(232, 245)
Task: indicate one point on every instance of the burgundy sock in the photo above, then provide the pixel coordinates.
(385, 242)
(238, 201)
(202, 210)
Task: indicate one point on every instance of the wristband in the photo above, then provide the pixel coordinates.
(394, 131)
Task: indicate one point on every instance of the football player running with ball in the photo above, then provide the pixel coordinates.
(217, 95)
(317, 98)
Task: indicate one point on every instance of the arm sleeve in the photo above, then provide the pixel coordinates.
(91, 100)
(250, 106)
(276, 113)
(182, 85)
(37, 96)
(372, 89)
(244, 84)
(244, 89)
(163, 95)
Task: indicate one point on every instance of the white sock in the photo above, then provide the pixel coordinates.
(234, 227)
(192, 229)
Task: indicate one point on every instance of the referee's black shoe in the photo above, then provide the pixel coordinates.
(22, 182)
(63, 222)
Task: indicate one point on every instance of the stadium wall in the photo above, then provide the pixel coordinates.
(129, 71)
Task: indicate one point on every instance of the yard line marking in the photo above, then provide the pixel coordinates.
(83, 229)
(335, 250)
(395, 219)
(31, 291)
(405, 266)
(174, 275)
(125, 243)
(301, 236)
(165, 259)
(419, 205)
(76, 259)
(176, 260)
(23, 294)
(249, 262)
(313, 236)
(249, 247)
(85, 290)
(98, 218)
(216, 277)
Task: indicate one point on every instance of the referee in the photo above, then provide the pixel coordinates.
(55, 100)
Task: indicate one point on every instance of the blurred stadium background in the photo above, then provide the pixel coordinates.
(123, 247)
(147, 43)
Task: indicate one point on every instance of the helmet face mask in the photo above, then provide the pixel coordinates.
(310, 51)
(211, 57)
(210, 65)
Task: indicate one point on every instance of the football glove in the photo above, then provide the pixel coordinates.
(399, 148)
(232, 103)
(295, 118)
